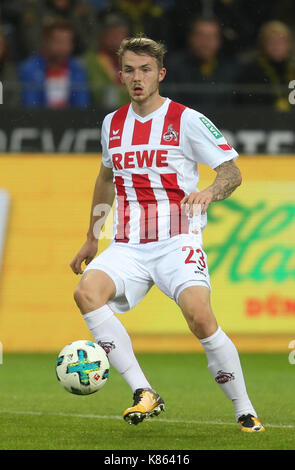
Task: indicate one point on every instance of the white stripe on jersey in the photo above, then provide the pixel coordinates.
(128, 129)
(157, 125)
(135, 212)
(163, 209)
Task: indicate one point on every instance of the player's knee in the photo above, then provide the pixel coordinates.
(202, 321)
(94, 291)
(80, 295)
(86, 298)
(199, 318)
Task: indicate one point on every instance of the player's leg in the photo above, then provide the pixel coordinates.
(100, 288)
(223, 358)
(92, 294)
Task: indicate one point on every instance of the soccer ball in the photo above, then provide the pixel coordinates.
(82, 367)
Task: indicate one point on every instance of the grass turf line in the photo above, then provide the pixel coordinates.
(39, 414)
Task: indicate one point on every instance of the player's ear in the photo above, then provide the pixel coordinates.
(162, 74)
(120, 76)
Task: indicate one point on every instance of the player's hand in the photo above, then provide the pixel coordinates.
(87, 253)
(198, 202)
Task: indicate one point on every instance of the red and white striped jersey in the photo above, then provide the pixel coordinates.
(155, 164)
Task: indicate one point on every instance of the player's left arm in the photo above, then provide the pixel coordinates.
(228, 178)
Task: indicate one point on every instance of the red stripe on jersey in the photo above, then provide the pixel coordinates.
(141, 132)
(178, 219)
(148, 208)
(123, 211)
(171, 128)
(225, 146)
(117, 126)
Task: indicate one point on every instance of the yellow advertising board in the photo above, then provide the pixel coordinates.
(250, 242)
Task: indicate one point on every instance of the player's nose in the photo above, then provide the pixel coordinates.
(137, 75)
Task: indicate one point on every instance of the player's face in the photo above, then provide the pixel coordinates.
(141, 76)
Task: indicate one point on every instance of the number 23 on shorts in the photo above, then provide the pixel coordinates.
(195, 255)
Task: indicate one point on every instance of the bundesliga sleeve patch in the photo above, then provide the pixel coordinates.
(214, 131)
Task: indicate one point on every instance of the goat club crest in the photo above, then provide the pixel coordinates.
(170, 134)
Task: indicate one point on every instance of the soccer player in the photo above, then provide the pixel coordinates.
(150, 154)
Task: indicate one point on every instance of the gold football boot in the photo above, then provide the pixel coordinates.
(248, 423)
(147, 404)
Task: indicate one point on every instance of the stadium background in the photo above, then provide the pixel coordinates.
(249, 240)
(48, 165)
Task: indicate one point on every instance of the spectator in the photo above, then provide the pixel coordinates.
(53, 78)
(144, 16)
(10, 14)
(37, 14)
(103, 64)
(271, 70)
(200, 67)
(8, 75)
(239, 20)
(98, 5)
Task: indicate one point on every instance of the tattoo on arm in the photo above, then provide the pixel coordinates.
(227, 180)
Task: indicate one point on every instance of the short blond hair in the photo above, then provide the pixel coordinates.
(273, 27)
(143, 45)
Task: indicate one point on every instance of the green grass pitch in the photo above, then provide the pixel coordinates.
(37, 413)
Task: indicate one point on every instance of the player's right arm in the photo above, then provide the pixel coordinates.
(103, 196)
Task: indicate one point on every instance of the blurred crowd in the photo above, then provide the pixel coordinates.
(62, 53)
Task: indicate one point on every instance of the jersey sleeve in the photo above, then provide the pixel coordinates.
(106, 157)
(203, 141)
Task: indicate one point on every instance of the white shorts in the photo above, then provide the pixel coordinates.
(172, 265)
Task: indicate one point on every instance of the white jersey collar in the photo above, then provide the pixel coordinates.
(161, 110)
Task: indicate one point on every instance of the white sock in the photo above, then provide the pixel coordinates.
(224, 364)
(106, 328)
